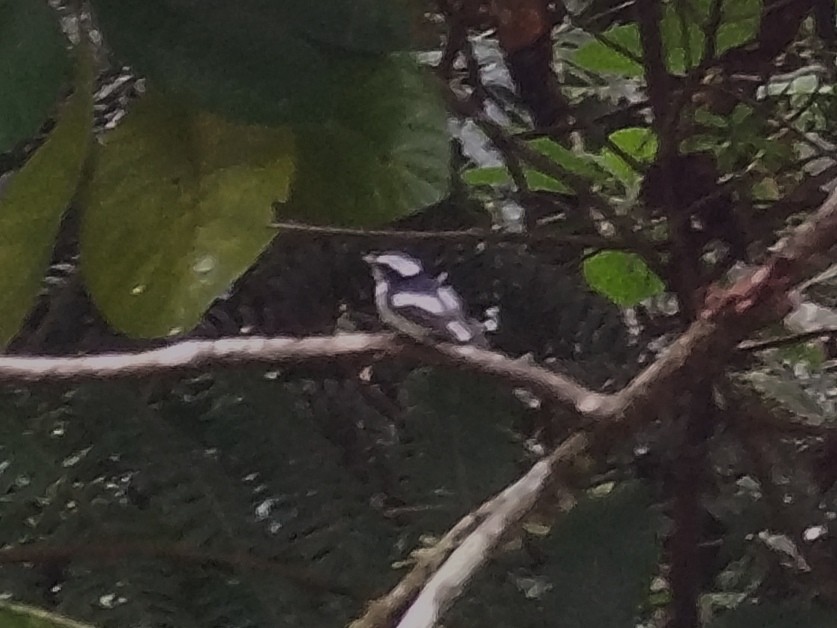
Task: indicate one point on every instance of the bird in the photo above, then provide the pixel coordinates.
(418, 305)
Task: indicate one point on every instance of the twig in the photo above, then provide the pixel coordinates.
(783, 341)
(507, 143)
(571, 239)
(510, 507)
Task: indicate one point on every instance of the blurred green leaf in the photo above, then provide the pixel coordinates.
(33, 67)
(622, 277)
(766, 189)
(385, 154)
(254, 61)
(177, 208)
(599, 57)
(638, 142)
(361, 25)
(812, 353)
(602, 556)
(20, 616)
(35, 199)
(773, 615)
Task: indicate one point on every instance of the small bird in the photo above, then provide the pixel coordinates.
(420, 306)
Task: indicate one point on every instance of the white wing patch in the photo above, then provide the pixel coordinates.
(449, 298)
(460, 331)
(428, 303)
(404, 266)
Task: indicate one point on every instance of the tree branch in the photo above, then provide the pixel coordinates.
(468, 545)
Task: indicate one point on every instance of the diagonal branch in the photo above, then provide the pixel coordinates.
(511, 506)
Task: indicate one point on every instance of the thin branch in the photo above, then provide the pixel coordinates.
(729, 315)
(511, 506)
(505, 143)
(571, 239)
(783, 341)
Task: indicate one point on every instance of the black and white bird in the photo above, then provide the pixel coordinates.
(419, 305)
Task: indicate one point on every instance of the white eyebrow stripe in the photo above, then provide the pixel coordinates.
(426, 302)
(404, 266)
(460, 331)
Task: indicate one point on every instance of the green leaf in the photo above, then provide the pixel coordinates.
(638, 142)
(774, 615)
(621, 277)
(599, 57)
(177, 208)
(682, 30)
(20, 616)
(601, 558)
(384, 155)
(251, 60)
(489, 175)
(33, 67)
(739, 23)
(35, 200)
(581, 165)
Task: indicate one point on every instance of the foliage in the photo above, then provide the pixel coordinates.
(35, 200)
(33, 67)
(595, 569)
(290, 103)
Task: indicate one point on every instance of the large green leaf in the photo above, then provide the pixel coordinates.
(622, 277)
(361, 25)
(384, 154)
(252, 60)
(20, 616)
(35, 199)
(601, 558)
(33, 67)
(178, 207)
